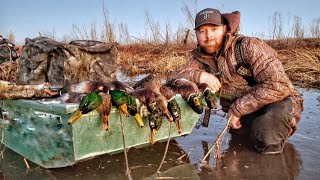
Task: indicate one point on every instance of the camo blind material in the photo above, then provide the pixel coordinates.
(8, 51)
(89, 60)
(45, 60)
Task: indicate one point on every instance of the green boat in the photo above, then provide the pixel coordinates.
(40, 132)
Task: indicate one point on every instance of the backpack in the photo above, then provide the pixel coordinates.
(242, 68)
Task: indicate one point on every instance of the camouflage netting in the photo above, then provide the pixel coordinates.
(8, 55)
(45, 60)
(90, 60)
(8, 51)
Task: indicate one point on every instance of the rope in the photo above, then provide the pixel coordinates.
(216, 142)
(2, 135)
(166, 150)
(124, 148)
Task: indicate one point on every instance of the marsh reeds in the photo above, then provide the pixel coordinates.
(302, 65)
(156, 59)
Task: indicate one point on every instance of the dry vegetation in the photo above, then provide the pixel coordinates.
(158, 59)
(300, 58)
(162, 50)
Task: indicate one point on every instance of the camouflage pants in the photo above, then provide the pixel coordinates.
(269, 127)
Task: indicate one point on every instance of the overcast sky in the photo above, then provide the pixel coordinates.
(26, 18)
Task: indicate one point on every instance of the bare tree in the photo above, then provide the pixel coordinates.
(93, 32)
(276, 26)
(315, 28)
(154, 27)
(298, 31)
(190, 13)
(123, 33)
(77, 33)
(108, 31)
(11, 37)
(48, 34)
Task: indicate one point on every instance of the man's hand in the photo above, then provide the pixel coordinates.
(212, 81)
(234, 121)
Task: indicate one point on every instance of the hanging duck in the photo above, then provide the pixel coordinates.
(173, 105)
(209, 95)
(189, 92)
(155, 121)
(124, 102)
(152, 84)
(89, 102)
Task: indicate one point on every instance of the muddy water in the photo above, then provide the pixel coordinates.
(300, 159)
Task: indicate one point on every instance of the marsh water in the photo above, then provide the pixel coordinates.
(299, 160)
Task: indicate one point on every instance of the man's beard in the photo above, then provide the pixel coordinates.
(210, 49)
(211, 46)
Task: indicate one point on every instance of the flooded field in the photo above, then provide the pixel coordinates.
(300, 159)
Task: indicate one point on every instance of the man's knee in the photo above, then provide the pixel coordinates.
(270, 128)
(268, 142)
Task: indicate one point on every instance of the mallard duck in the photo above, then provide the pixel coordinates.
(88, 103)
(189, 92)
(151, 92)
(173, 105)
(209, 96)
(127, 104)
(151, 81)
(155, 121)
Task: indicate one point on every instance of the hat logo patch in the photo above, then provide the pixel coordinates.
(206, 16)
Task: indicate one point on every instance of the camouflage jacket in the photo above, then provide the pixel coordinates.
(272, 83)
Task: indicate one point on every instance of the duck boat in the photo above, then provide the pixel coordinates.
(40, 132)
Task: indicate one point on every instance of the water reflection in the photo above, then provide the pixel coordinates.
(143, 162)
(240, 161)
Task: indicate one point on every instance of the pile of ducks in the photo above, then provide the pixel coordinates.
(148, 97)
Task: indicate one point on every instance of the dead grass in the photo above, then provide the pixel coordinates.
(157, 59)
(300, 58)
(8, 71)
(302, 65)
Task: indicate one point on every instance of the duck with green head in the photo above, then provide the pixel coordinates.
(155, 121)
(127, 104)
(90, 102)
(189, 92)
(173, 105)
(148, 98)
(209, 96)
(93, 90)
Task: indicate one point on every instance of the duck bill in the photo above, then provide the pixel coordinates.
(124, 109)
(139, 120)
(196, 101)
(75, 116)
(178, 125)
(152, 135)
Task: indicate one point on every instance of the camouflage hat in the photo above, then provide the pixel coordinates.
(208, 16)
